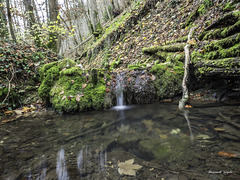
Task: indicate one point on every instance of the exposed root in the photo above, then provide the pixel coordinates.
(9, 85)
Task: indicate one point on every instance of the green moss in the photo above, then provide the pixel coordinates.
(167, 48)
(66, 63)
(50, 76)
(136, 66)
(202, 9)
(224, 53)
(231, 29)
(223, 43)
(228, 7)
(179, 40)
(116, 63)
(169, 78)
(72, 71)
(74, 90)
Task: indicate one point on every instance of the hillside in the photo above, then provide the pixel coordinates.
(144, 47)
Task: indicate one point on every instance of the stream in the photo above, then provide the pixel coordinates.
(90, 145)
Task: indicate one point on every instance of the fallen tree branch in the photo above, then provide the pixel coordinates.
(229, 121)
(91, 131)
(184, 99)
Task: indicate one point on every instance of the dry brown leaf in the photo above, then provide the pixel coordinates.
(129, 79)
(78, 97)
(107, 90)
(84, 85)
(152, 77)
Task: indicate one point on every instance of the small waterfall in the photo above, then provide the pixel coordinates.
(61, 166)
(119, 90)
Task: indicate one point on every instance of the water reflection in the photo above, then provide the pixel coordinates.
(61, 166)
(154, 134)
(80, 161)
(185, 113)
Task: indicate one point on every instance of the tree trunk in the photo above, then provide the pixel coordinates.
(32, 22)
(3, 22)
(54, 42)
(10, 22)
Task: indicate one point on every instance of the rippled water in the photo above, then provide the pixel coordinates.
(167, 144)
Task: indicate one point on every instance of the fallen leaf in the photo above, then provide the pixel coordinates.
(128, 168)
(84, 85)
(19, 112)
(107, 90)
(143, 76)
(227, 154)
(152, 77)
(129, 79)
(8, 112)
(203, 136)
(188, 106)
(26, 109)
(64, 97)
(62, 92)
(219, 129)
(192, 41)
(175, 131)
(78, 97)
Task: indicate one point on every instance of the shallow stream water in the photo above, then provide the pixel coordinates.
(90, 145)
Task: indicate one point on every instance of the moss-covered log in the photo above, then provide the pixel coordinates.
(228, 67)
(223, 43)
(170, 56)
(228, 19)
(167, 48)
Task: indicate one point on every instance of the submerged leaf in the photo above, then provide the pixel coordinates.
(128, 168)
(227, 154)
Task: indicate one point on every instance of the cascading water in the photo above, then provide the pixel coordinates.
(119, 90)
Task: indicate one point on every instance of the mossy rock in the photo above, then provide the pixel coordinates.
(168, 79)
(166, 150)
(69, 89)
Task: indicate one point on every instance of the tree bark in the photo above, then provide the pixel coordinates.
(54, 41)
(10, 22)
(3, 22)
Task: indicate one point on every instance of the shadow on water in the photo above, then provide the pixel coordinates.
(90, 145)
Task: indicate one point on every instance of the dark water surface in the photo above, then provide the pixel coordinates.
(90, 145)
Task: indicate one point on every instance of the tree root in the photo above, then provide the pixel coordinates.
(9, 85)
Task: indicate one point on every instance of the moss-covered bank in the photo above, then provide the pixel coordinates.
(68, 88)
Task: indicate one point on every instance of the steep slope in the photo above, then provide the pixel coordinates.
(146, 47)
